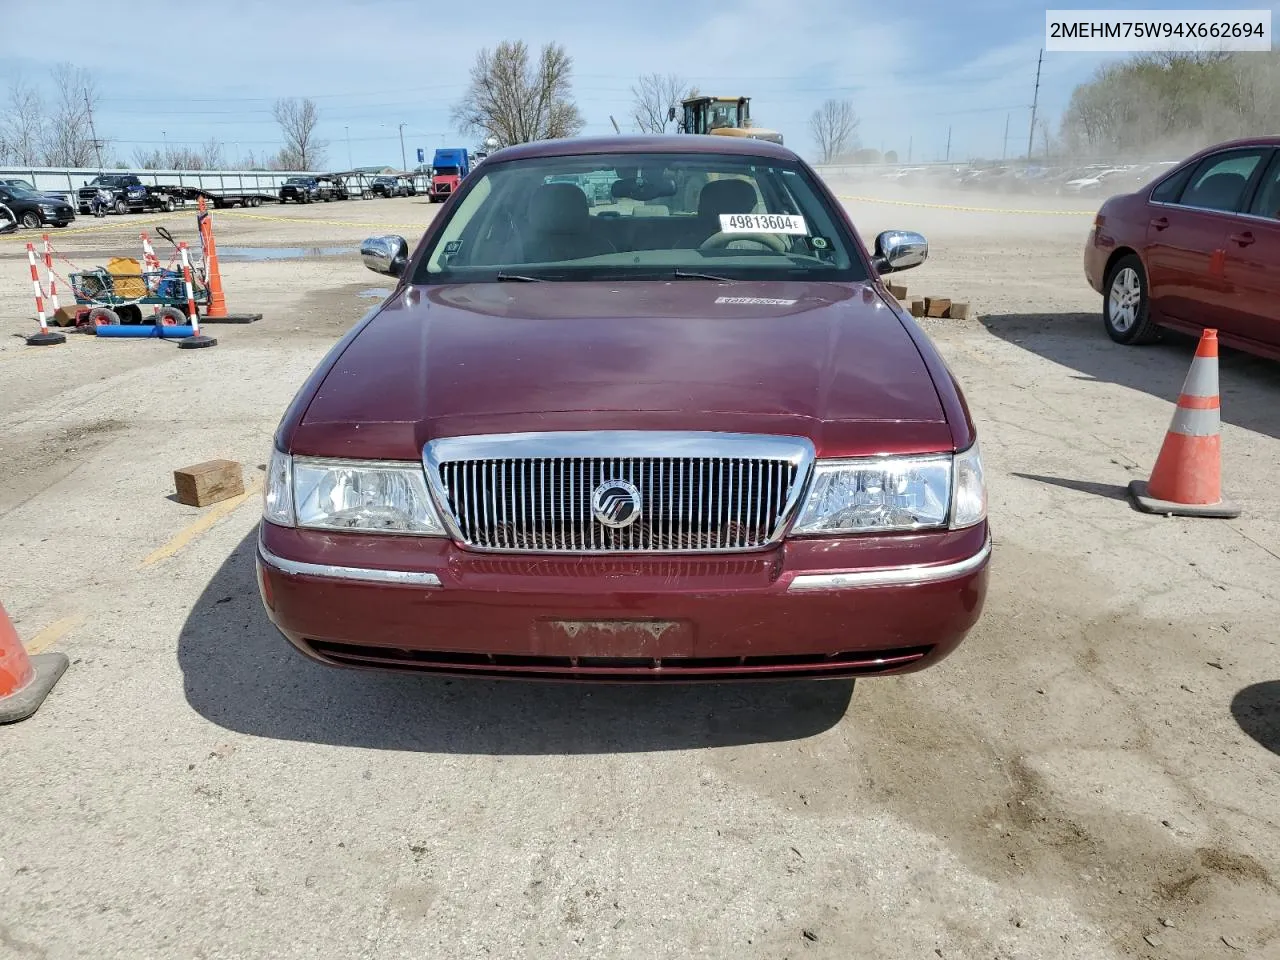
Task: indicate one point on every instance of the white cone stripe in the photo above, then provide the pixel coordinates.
(1196, 423)
(1202, 378)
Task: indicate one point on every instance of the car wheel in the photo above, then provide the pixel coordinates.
(122, 207)
(1126, 308)
(169, 205)
(31, 220)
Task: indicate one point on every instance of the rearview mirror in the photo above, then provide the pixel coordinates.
(386, 255)
(899, 250)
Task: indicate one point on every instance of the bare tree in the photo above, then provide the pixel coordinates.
(654, 95)
(68, 140)
(211, 155)
(22, 130)
(514, 101)
(834, 126)
(298, 120)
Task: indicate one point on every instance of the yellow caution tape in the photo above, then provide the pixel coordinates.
(332, 223)
(949, 206)
(32, 236)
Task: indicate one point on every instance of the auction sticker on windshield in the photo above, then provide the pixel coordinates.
(763, 223)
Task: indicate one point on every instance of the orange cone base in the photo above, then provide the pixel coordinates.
(49, 668)
(46, 339)
(1223, 509)
(232, 318)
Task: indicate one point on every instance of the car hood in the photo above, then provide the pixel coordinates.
(832, 362)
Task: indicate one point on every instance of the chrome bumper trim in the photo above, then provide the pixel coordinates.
(888, 576)
(363, 574)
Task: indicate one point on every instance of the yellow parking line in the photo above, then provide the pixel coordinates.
(53, 633)
(189, 533)
(949, 206)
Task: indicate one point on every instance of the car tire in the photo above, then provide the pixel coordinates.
(31, 220)
(1126, 306)
(169, 205)
(122, 207)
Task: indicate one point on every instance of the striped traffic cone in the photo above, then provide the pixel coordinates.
(1187, 478)
(24, 681)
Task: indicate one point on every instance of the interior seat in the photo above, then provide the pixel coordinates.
(716, 198)
(560, 226)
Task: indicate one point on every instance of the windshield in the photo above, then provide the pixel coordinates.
(641, 217)
(19, 192)
(106, 182)
(446, 171)
(296, 181)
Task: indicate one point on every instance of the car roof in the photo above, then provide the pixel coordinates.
(687, 143)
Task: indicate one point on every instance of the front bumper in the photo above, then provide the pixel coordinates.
(808, 608)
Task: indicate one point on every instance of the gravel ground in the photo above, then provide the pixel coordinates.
(1092, 775)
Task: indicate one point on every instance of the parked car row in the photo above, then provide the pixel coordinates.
(1087, 179)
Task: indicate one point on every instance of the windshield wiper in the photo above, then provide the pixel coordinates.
(679, 274)
(518, 278)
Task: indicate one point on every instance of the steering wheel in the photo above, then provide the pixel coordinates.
(718, 241)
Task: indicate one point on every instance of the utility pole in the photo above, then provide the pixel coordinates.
(97, 144)
(948, 144)
(1035, 102)
(349, 164)
(403, 161)
(1004, 154)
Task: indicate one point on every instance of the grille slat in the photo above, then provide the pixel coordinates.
(688, 504)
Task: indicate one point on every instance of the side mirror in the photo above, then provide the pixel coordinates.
(899, 250)
(387, 255)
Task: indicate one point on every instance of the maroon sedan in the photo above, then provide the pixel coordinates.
(1199, 247)
(684, 433)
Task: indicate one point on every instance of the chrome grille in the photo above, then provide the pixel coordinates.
(537, 497)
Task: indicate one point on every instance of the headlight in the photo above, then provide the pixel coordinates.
(863, 496)
(357, 495)
(895, 493)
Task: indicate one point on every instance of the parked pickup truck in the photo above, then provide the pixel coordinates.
(128, 194)
(310, 189)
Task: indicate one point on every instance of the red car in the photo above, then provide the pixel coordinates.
(1199, 247)
(683, 435)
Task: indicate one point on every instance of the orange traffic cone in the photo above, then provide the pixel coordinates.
(24, 681)
(217, 310)
(1187, 478)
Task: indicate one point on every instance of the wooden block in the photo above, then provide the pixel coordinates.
(936, 306)
(917, 308)
(958, 311)
(898, 290)
(66, 316)
(210, 482)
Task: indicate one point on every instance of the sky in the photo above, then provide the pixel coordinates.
(918, 73)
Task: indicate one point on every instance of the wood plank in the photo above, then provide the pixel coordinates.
(917, 308)
(204, 483)
(936, 306)
(958, 311)
(898, 290)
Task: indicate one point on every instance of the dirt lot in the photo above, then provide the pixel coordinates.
(1093, 775)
